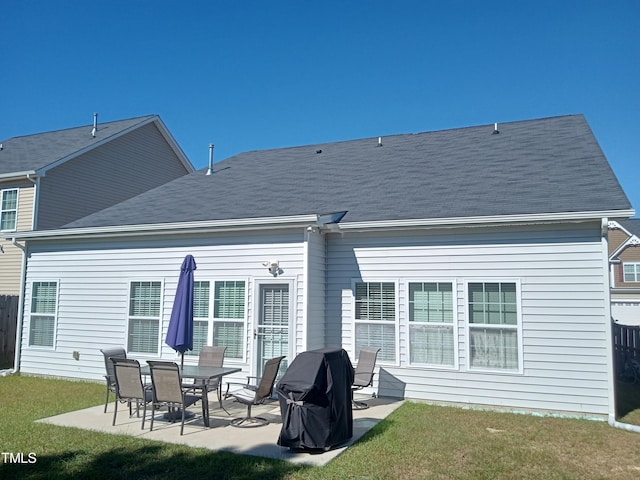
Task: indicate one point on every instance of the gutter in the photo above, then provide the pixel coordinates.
(263, 223)
(18, 175)
(484, 221)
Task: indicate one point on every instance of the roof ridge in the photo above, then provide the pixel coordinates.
(89, 125)
(398, 135)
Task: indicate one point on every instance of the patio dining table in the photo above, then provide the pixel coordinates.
(201, 374)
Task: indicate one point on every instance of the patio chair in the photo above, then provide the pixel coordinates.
(108, 365)
(129, 387)
(363, 373)
(250, 395)
(212, 357)
(168, 391)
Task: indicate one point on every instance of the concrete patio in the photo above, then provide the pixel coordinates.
(221, 436)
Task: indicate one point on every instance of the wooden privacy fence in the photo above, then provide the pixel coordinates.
(626, 343)
(8, 324)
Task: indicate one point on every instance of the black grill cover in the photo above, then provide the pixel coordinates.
(315, 400)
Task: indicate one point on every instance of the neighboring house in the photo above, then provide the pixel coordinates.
(475, 258)
(624, 258)
(50, 179)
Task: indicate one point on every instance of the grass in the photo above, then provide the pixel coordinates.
(416, 441)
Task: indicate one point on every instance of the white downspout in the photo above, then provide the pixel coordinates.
(36, 192)
(16, 359)
(23, 273)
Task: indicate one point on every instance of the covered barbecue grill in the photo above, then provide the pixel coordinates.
(315, 400)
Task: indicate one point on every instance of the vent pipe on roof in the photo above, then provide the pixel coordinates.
(379, 141)
(210, 169)
(495, 128)
(95, 125)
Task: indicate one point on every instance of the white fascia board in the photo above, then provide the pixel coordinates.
(613, 225)
(484, 221)
(42, 171)
(16, 175)
(238, 224)
(633, 240)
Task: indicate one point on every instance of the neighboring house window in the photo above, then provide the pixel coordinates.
(9, 209)
(493, 326)
(631, 272)
(144, 317)
(375, 318)
(44, 302)
(431, 324)
(228, 322)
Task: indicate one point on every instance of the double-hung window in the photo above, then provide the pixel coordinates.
(375, 318)
(631, 272)
(226, 320)
(201, 302)
(229, 317)
(8, 209)
(493, 326)
(144, 317)
(42, 320)
(431, 324)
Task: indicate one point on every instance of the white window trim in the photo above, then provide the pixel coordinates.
(162, 332)
(55, 315)
(396, 284)
(407, 321)
(256, 284)
(517, 282)
(2, 192)
(636, 272)
(211, 320)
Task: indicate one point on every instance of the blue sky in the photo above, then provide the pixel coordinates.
(249, 75)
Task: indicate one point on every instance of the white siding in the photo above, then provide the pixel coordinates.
(564, 319)
(94, 281)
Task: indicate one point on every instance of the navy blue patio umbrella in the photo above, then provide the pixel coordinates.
(180, 331)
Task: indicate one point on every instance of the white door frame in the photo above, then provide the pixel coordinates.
(257, 312)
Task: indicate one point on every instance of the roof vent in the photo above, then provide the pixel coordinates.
(210, 169)
(495, 128)
(318, 151)
(95, 125)
(379, 141)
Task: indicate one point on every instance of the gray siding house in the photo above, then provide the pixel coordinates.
(475, 258)
(52, 178)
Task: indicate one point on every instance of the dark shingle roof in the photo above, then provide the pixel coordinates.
(33, 152)
(632, 225)
(549, 165)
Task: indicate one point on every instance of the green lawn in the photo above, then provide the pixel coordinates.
(416, 441)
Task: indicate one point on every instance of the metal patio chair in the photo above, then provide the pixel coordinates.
(129, 387)
(250, 395)
(168, 391)
(363, 373)
(212, 357)
(108, 365)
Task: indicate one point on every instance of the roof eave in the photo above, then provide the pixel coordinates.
(482, 221)
(263, 223)
(16, 175)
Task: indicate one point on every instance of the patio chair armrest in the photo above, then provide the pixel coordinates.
(241, 384)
